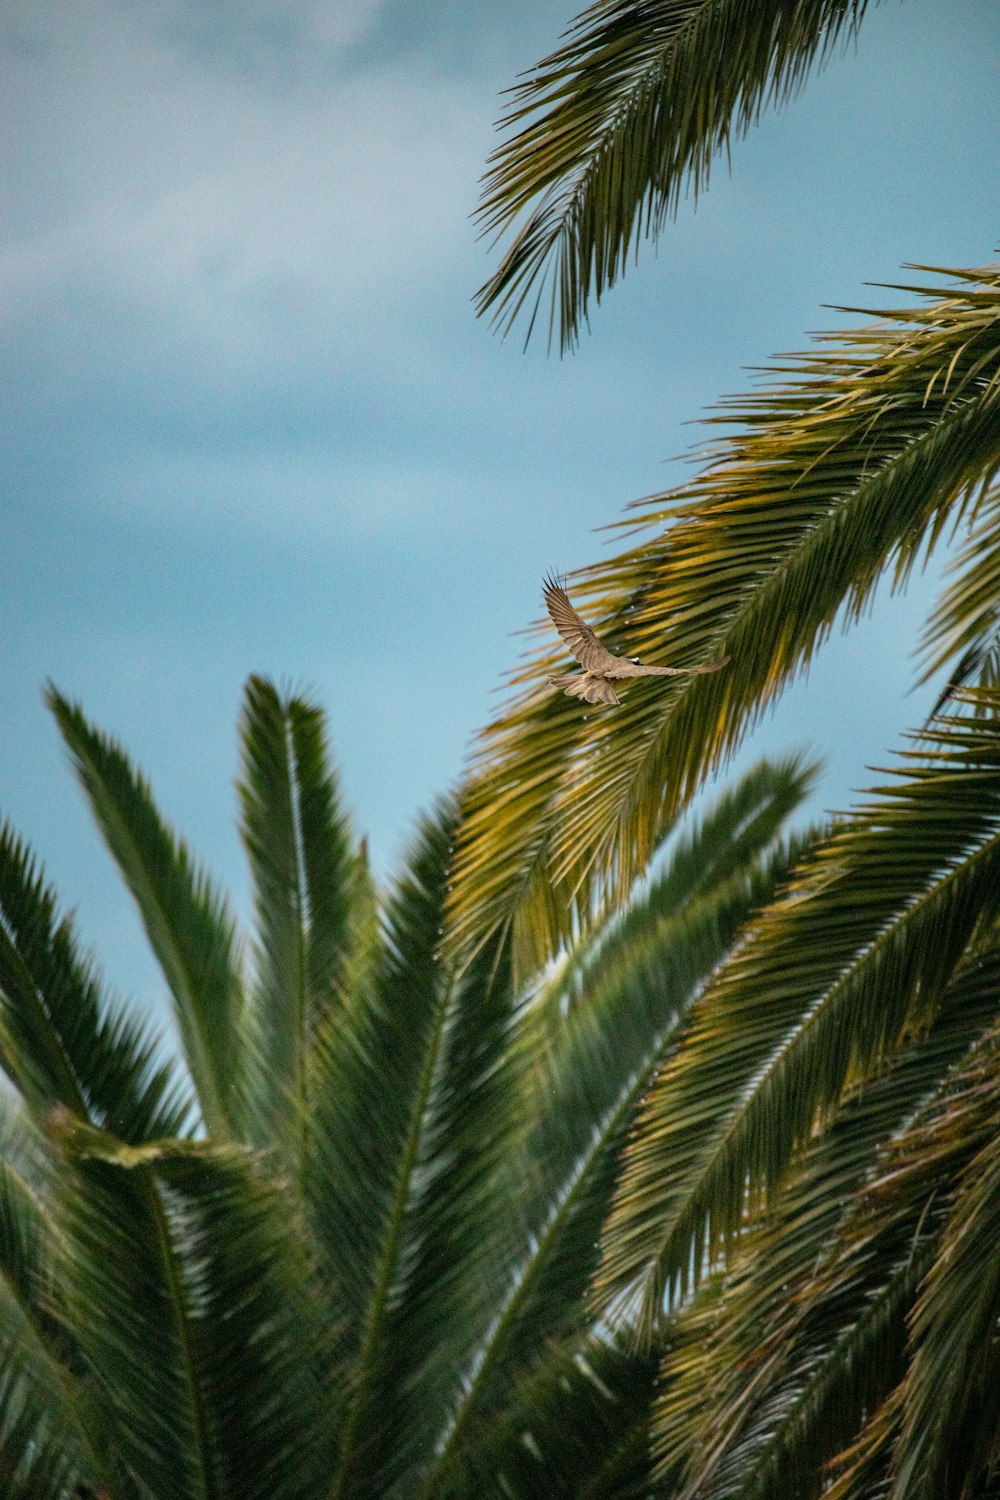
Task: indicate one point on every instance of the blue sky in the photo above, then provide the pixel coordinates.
(250, 423)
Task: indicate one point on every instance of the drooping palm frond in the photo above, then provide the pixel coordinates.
(831, 981)
(907, 1445)
(613, 129)
(949, 1406)
(185, 1282)
(61, 1041)
(186, 918)
(306, 872)
(807, 1331)
(593, 1036)
(851, 468)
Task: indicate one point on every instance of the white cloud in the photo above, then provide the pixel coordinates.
(200, 195)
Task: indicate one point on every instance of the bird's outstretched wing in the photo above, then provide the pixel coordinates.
(577, 634)
(625, 668)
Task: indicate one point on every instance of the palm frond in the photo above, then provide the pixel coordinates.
(924, 1177)
(44, 1442)
(807, 1330)
(833, 978)
(725, 844)
(950, 1406)
(577, 1427)
(305, 872)
(61, 1042)
(186, 1287)
(412, 1114)
(463, 1223)
(615, 128)
(609, 1019)
(186, 918)
(852, 467)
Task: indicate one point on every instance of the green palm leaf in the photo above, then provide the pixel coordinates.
(577, 1427)
(851, 467)
(306, 872)
(948, 1427)
(827, 986)
(60, 1040)
(459, 1240)
(807, 1331)
(186, 1287)
(44, 1442)
(412, 1114)
(614, 129)
(186, 918)
(594, 1035)
(924, 1179)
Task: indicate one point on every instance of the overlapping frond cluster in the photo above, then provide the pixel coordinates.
(611, 132)
(809, 1190)
(340, 1245)
(850, 465)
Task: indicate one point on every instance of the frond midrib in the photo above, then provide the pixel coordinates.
(641, 82)
(610, 1125)
(819, 1010)
(178, 1302)
(761, 601)
(389, 1258)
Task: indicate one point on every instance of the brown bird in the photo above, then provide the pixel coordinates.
(598, 663)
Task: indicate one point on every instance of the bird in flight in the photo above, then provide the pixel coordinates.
(600, 666)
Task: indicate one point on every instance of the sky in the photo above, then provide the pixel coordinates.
(250, 422)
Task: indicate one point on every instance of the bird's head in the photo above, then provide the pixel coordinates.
(634, 660)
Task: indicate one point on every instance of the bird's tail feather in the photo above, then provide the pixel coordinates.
(582, 685)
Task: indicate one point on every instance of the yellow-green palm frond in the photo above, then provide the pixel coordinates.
(613, 130)
(948, 1404)
(773, 1373)
(831, 981)
(848, 468)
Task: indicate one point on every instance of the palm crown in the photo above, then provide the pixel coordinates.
(341, 1245)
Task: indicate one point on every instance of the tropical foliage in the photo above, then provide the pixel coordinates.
(609, 134)
(857, 463)
(340, 1244)
(817, 1161)
(805, 1208)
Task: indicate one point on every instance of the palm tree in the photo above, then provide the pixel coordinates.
(812, 1187)
(807, 1199)
(855, 461)
(338, 1243)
